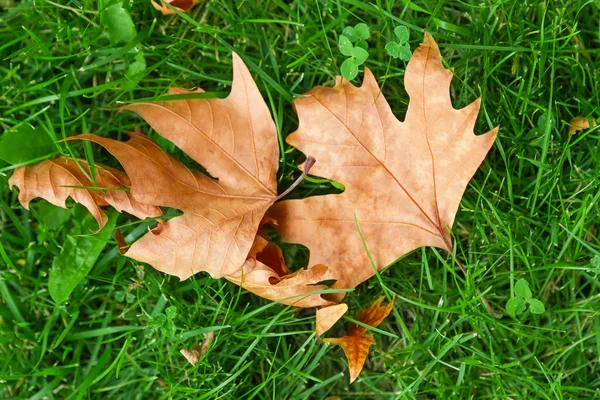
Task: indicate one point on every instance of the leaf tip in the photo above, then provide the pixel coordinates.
(428, 40)
(327, 317)
(369, 79)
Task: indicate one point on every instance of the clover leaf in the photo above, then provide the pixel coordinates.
(352, 43)
(400, 47)
(522, 289)
(164, 323)
(523, 297)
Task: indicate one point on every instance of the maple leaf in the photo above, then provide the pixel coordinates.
(59, 178)
(236, 141)
(357, 341)
(181, 5)
(403, 180)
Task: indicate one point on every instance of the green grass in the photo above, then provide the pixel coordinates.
(531, 211)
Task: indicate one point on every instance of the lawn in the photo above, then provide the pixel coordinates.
(531, 212)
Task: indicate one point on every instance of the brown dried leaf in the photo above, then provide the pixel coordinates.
(579, 124)
(194, 354)
(181, 5)
(357, 342)
(236, 141)
(403, 180)
(264, 280)
(328, 316)
(59, 178)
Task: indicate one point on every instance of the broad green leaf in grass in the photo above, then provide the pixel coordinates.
(138, 66)
(53, 217)
(546, 121)
(119, 26)
(136, 69)
(122, 296)
(405, 52)
(78, 256)
(536, 306)
(117, 23)
(13, 150)
(522, 289)
(515, 306)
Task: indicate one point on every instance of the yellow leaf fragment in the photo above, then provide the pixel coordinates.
(357, 342)
(373, 315)
(328, 316)
(356, 349)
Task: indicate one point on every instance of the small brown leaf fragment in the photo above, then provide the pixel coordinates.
(272, 256)
(357, 342)
(264, 280)
(356, 348)
(579, 124)
(121, 243)
(59, 178)
(328, 316)
(194, 354)
(181, 5)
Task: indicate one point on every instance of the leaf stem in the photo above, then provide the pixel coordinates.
(310, 161)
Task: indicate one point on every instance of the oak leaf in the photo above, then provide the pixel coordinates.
(236, 141)
(357, 341)
(403, 180)
(57, 179)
